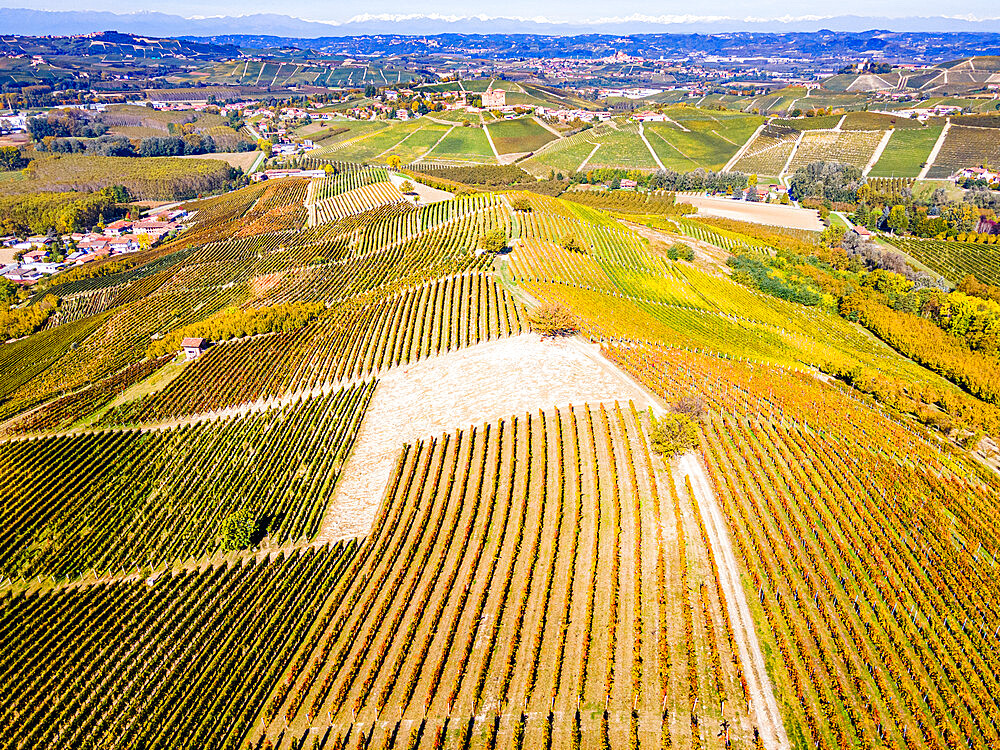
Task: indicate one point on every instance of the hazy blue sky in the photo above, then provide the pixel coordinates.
(555, 10)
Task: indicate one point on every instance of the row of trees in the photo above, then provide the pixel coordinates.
(70, 123)
(11, 158)
(890, 205)
(666, 179)
(918, 220)
(190, 144)
(830, 181)
(18, 322)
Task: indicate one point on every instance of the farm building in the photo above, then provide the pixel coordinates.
(494, 98)
(193, 348)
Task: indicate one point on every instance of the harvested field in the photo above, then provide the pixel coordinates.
(760, 213)
(242, 159)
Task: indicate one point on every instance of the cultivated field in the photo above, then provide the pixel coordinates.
(381, 511)
(519, 136)
(243, 159)
(966, 147)
(906, 153)
(771, 214)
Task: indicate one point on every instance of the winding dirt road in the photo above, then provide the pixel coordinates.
(767, 716)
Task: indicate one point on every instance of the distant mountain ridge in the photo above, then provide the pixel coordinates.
(24, 21)
(908, 46)
(115, 43)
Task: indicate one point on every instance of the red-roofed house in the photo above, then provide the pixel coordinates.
(193, 347)
(152, 227)
(115, 228)
(128, 243)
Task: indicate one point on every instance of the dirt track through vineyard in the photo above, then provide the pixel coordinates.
(478, 384)
(760, 689)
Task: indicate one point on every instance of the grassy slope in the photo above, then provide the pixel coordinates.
(623, 150)
(418, 144)
(710, 144)
(906, 152)
(519, 136)
(464, 144)
(370, 147)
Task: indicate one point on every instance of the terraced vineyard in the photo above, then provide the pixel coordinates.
(194, 643)
(803, 492)
(768, 153)
(624, 203)
(966, 147)
(537, 538)
(629, 292)
(953, 260)
(357, 201)
(341, 147)
(350, 179)
(162, 497)
(432, 319)
(379, 510)
(847, 147)
(731, 241)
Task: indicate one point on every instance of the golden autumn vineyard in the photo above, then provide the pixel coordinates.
(312, 474)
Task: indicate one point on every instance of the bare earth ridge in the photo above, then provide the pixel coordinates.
(761, 691)
(482, 383)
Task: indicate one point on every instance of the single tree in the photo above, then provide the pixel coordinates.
(237, 530)
(898, 220)
(571, 243)
(552, 320)
(494, 241)
(674, 433)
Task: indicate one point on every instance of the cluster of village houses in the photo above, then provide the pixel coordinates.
(986, 174)
(37, 254)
